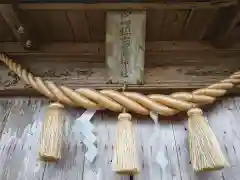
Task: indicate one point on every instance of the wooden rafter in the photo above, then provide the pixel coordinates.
(220, 32)
(20, 29)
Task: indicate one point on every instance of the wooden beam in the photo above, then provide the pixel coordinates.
(234, 22)
(14, 20)
(166, 77)
(220, 32)
(98, 49)
(126, 6)
(51, 49)
(169, 66)
(125, 46)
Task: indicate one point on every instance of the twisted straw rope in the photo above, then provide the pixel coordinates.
(166, 105)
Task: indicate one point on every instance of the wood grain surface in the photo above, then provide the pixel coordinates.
(165, 21)
(169, 66)
(21, 124)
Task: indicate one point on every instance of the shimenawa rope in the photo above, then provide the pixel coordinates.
(166, 105)
(204, 149)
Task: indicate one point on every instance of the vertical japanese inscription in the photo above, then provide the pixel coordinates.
(125, 37)
(125, 40)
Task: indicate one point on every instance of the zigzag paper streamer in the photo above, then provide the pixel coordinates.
(89, 140)
(86, 129)
(160, 156)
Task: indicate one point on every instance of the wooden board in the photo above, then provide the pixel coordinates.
(169, 66)
(79, 23)
(221, 36)
(51, 25)
(125, 46)
(19, 144)
(96, 24)
(75, 75)
(5, 31)
(173, 24)
(154, 25)
(89, 25)
(197, 23)
(19, 141)
(5, 108)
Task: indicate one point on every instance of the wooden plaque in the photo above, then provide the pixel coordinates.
(125, 46)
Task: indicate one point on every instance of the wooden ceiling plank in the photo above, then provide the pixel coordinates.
(154, 23)
(51, 25)
(226, 19)
(235, 22)
(41, 24)
(61, 30)
(173, 24)
(5, 31)
(198, 22)
(79, 25)
(96, 22)
(17, 23)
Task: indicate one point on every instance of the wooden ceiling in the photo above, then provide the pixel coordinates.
(53, 22)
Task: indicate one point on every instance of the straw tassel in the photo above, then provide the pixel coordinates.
(125, 159)
(52, 133)
(205, 151)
